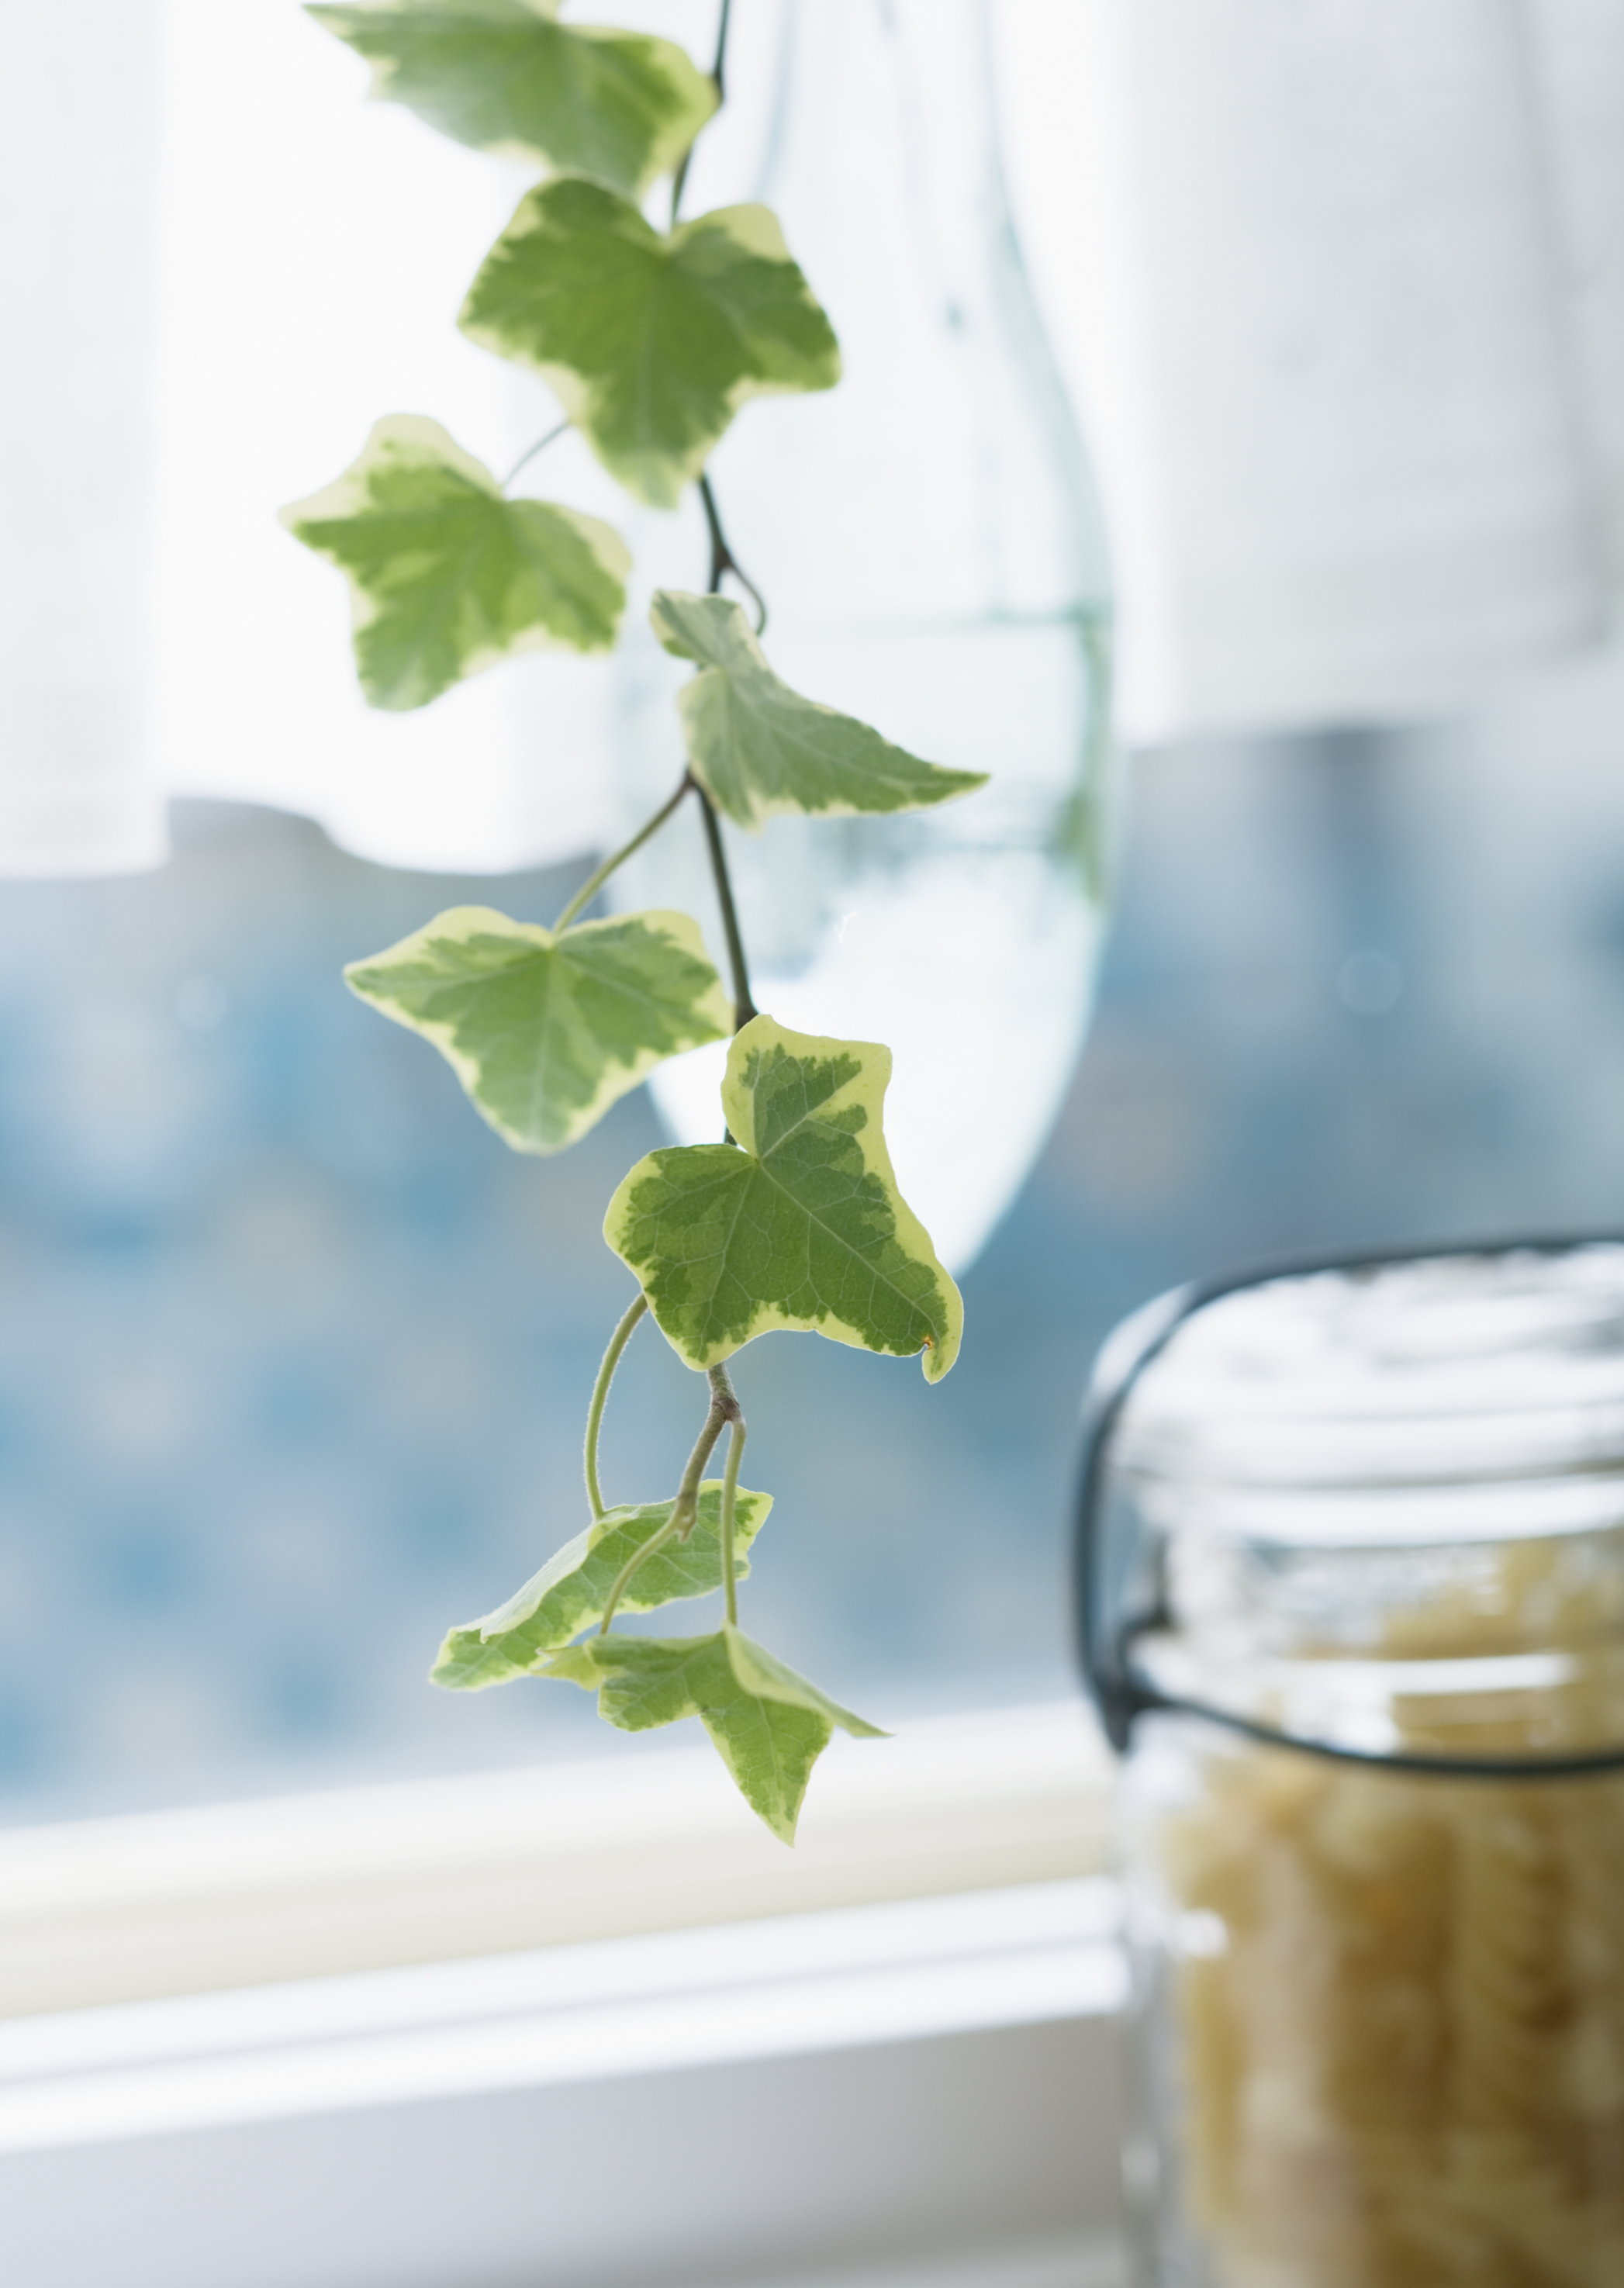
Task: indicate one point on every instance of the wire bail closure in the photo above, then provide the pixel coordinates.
(1106, 1622)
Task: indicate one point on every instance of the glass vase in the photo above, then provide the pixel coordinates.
(926, 540)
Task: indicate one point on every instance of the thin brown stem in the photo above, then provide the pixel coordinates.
(744, 1007)
(718, 75)
(717, 72)
(723, 1408)
(723, 561)
(722, 557)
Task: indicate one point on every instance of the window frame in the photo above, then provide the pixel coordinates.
(297, 2040)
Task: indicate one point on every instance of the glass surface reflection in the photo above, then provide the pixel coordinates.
(294, 1355)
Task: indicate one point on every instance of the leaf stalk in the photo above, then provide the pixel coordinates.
(729, 1496)
(618, 1341)
(589, 888)
(530, 452)
(724, 1409)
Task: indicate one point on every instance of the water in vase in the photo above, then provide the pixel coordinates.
(926, 541)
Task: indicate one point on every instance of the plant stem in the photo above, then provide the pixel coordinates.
(730, 1495)
(589, 888)
(744, 1007)
(724, 1409)
(722, 557)
(717, 74)
(716, 69)
(618, 1341)
(529, 454)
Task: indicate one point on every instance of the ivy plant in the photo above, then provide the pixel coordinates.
(652, 334)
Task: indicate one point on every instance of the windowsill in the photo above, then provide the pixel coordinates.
(613, 2010)
(625, 2036)
(242, 1894)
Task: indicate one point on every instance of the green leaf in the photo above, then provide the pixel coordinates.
(650, 344)
(799, 1224)
(545, 1032)
(448, 577)
(770, 1726)
(760, 749)
(570, 1592)
(504, 76)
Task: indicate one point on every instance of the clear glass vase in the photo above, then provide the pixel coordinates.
(926, 540)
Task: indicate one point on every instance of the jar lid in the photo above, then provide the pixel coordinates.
(1447, 1397)
(1354, 1489)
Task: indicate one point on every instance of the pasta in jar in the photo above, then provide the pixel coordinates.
(1395, 2000)
(1353, 1554)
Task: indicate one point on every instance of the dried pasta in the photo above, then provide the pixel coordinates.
(1397, 2001)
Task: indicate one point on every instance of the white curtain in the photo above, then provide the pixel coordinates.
(219, 266)
(1344, 282)
(78, 202)
(1354, 345)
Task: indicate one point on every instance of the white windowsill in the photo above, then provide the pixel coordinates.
(239, 1894)
(798, 2098)
(604, 2011)
(379, 2049)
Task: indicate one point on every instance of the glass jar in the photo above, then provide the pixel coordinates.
(1353, 1606)
(926, 540)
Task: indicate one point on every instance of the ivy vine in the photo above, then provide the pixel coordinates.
(651, 337)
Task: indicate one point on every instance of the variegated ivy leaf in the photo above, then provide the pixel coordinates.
(570, 1592)
(760, 749)
(650, 342)
(545, 1032)
(446, 576)
(798, 1224)
(770, 1726)
(504, 76)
